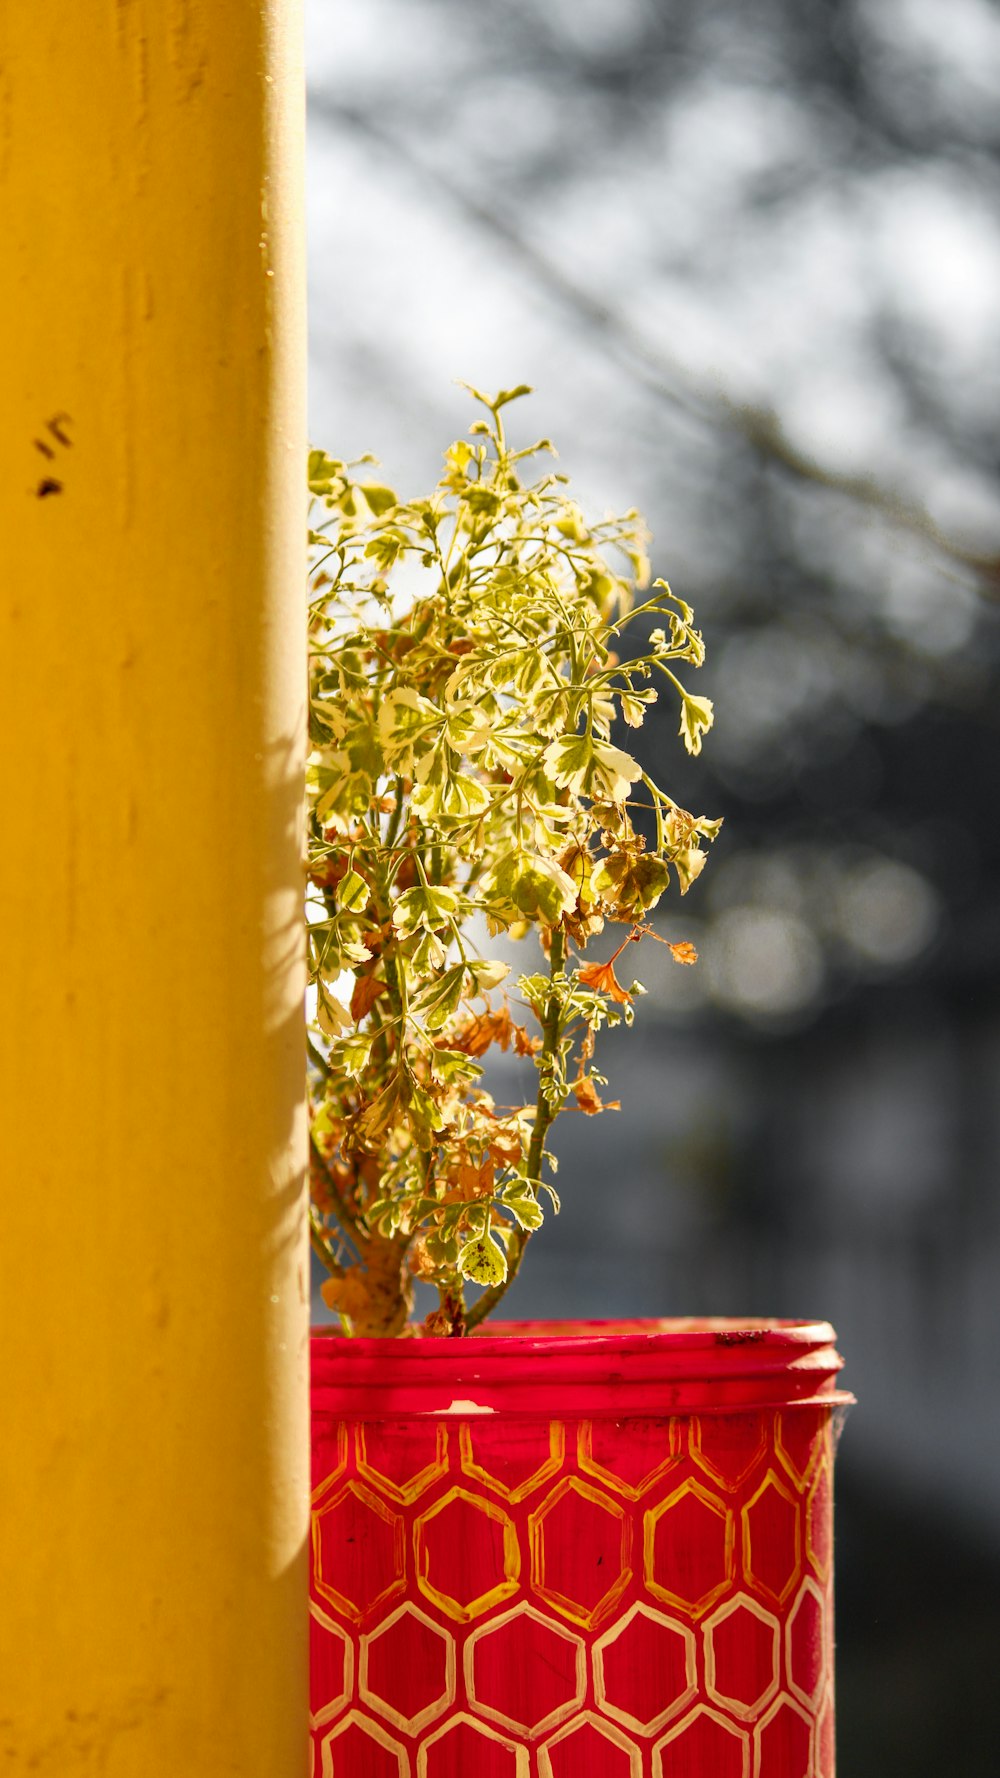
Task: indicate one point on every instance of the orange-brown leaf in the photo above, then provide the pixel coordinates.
(477, 1181)
(348, 1294)
(419, 1259)
(367, 989)
(589, 1099)
(477, 1034)
(602, 976)
(683, 952)
(506, 1145)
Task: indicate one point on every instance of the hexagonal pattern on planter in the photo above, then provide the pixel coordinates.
(466, 1554)
(688, 1548)
(728, 1453)
(331, 1664)
(466, 1748)
(581, 1544)
(705, 1745)
(409, 1458)
(531, 1453)
(525, 1671)
(357, 1745)
(801, 1439)
(824, 1755)
(645, 1669)
(330, 1446)
(742, 1648)
(359, 1557)
(407, 1669)
(806, 1644)
(783, 1742)
(628, 1457)
(819, 1520)
(589, 1745)
(772, 1540)
(479, 1608)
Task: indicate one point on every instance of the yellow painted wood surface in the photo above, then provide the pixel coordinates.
(153, 1282)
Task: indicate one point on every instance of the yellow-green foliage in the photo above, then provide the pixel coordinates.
(465, 680)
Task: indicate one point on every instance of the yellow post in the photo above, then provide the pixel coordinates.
(153, 1303)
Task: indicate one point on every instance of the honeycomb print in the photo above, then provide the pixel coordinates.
(573, 1599)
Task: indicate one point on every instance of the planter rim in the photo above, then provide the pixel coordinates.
(605, 1369)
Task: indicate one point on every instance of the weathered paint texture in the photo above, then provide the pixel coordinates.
(153, 1446)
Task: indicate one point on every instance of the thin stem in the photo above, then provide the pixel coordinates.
(319, 1243)
(339, 1211)
(658, 661)
(544, 1115)
(396, 815)
(657, 810)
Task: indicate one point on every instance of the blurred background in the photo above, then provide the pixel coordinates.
(748, 254)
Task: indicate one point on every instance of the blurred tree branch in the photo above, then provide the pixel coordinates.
(652, 369)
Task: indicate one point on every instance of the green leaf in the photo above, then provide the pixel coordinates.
(689, 864)
(524, 1207)
(697, 715)
(504, 395)
(544, 892)
(379, 498)
(571, 522)
(322, 472)
(437, 1004)
(346, 793)
(353, 893)
(533, 886)
(632, 882)
(385, 1109)
(632, 704)
(467, 728)
(443, 1249)
(487, 974)
(429, 955)
(481, 499)
(535, 989)
(426, 1117)
(350, 938)
(501, 399)
(581, 764)
(406, 723)
(457, 459)
(442, 790)
(354, 1053)
(529, 674)
(454, 1068)
(483, 1261)
(424, 906)
(386, 548)
(331, 1016)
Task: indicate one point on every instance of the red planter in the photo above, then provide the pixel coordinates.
(598, 1550)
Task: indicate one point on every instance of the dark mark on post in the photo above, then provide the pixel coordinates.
(56, 428)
